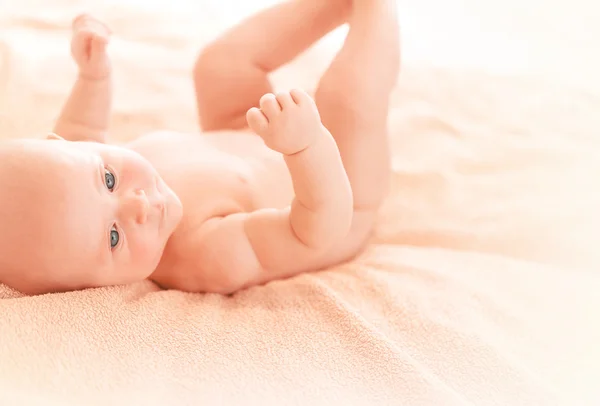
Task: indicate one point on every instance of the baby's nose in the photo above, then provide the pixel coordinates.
(136, 206)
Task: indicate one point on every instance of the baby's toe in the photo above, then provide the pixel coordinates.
(257, 121)
(285, 100)
(269, 105)
(301, 97)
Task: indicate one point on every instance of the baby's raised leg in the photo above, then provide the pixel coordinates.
(231, 73)
(353, 99)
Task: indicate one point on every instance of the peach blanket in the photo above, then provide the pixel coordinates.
(480, 287)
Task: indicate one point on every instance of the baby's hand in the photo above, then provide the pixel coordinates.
(88, 47)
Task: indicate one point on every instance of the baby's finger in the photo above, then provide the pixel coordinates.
(80, 44)
(91, 24)
(79, 20)
(85, 22)
(98, 45)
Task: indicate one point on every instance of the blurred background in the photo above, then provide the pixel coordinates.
(555, 39)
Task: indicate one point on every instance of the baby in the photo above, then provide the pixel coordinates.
(276, 185)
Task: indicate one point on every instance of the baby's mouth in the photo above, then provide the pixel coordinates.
(158, 207)
(169, 200)
(161, 187)
(161, 203)
(162, 213)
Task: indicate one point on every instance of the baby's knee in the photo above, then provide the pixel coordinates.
(211, 62)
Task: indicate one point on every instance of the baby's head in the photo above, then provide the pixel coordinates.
(78, 214)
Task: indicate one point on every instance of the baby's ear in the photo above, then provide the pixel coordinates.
(52, 136)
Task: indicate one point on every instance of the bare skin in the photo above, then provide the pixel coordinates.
(297, 189)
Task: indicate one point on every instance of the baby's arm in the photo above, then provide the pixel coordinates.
(242, 249)
(86, 114)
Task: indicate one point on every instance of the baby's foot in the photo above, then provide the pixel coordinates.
(288, 122)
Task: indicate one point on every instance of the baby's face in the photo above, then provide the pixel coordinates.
(103, 213)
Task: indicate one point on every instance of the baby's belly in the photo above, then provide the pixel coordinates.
(218, 168)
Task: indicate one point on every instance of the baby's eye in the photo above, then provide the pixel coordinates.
(114, 237)
(109, 179)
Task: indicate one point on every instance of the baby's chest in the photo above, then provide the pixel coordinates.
(206, 179)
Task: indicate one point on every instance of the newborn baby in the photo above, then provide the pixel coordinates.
(275, 185)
